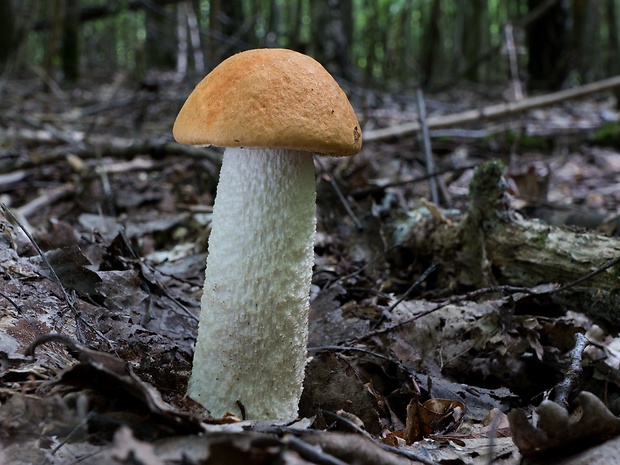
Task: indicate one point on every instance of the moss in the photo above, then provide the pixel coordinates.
(608, 134)
(542, 237)
(528, 142)
(488, 181)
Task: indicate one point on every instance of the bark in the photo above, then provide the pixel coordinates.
(547, 44)
(107, 9)
(70, 52)
(613, 61)
(160, 48)
(330, 20)
(432, 39)
(475, 37)
(7, 20)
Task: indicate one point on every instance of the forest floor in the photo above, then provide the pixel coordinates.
(410, 362)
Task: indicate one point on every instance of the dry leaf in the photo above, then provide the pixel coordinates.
(558, 431)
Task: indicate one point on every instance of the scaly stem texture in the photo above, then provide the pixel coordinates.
(251, 346)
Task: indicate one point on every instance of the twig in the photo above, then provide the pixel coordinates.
(57, 133)
(440, 305)
(417, 283)
(574, 283)
(387, 448)
(407, 454)
(311, 453)
(512, 60)
(493, 111)
(11, 301)
(72, 346)
(563, 389)
(152, 279)
(493, 437)
(343, 199)
(346, 421)
(426, 144)
(359, 349)
(369, 190)
(77, 429)
(69, 300)
(47, 198)
(10, 214)
(47, 79)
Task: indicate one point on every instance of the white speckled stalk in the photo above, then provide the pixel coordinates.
(253, 331)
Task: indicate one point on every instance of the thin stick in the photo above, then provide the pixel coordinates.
(47, 198)
(563, 389)
(493, 111)
(68, 299)
(310, 452)
(426, 144)
(440, 305)
(342, 198)
(10, 214)
(512, 60)
(417, 283)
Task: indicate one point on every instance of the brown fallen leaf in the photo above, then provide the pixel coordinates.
(120, 390)
(432, 416)
(559, 432)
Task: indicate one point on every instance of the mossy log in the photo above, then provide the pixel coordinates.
(492, 245)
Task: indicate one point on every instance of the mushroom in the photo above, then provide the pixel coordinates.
(272, 109)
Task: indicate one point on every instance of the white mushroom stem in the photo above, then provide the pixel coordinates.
(251, 346)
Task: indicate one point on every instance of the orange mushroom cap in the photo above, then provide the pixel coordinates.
(271, 98)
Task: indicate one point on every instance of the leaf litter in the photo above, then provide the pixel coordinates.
(401, 369)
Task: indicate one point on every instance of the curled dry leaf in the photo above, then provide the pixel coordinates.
(560, 432)
(433, 416)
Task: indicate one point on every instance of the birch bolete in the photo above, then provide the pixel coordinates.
(272, 109)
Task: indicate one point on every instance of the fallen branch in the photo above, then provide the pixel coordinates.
(492, 111)
(492, 246)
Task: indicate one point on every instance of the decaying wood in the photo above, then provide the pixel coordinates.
(492, 111)
(492, 245)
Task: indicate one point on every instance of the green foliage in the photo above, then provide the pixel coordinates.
(542, 237)
(379, 43)
(608, 134)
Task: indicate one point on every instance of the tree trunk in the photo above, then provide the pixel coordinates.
(273, 25)
(475, 36)
(431, 43)
(7, 20)
(547, 44)
(160, 36)
(295, 16)
(215, 7)
(55, 10)
(329, 25)
(613, 62)
(70, 52)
